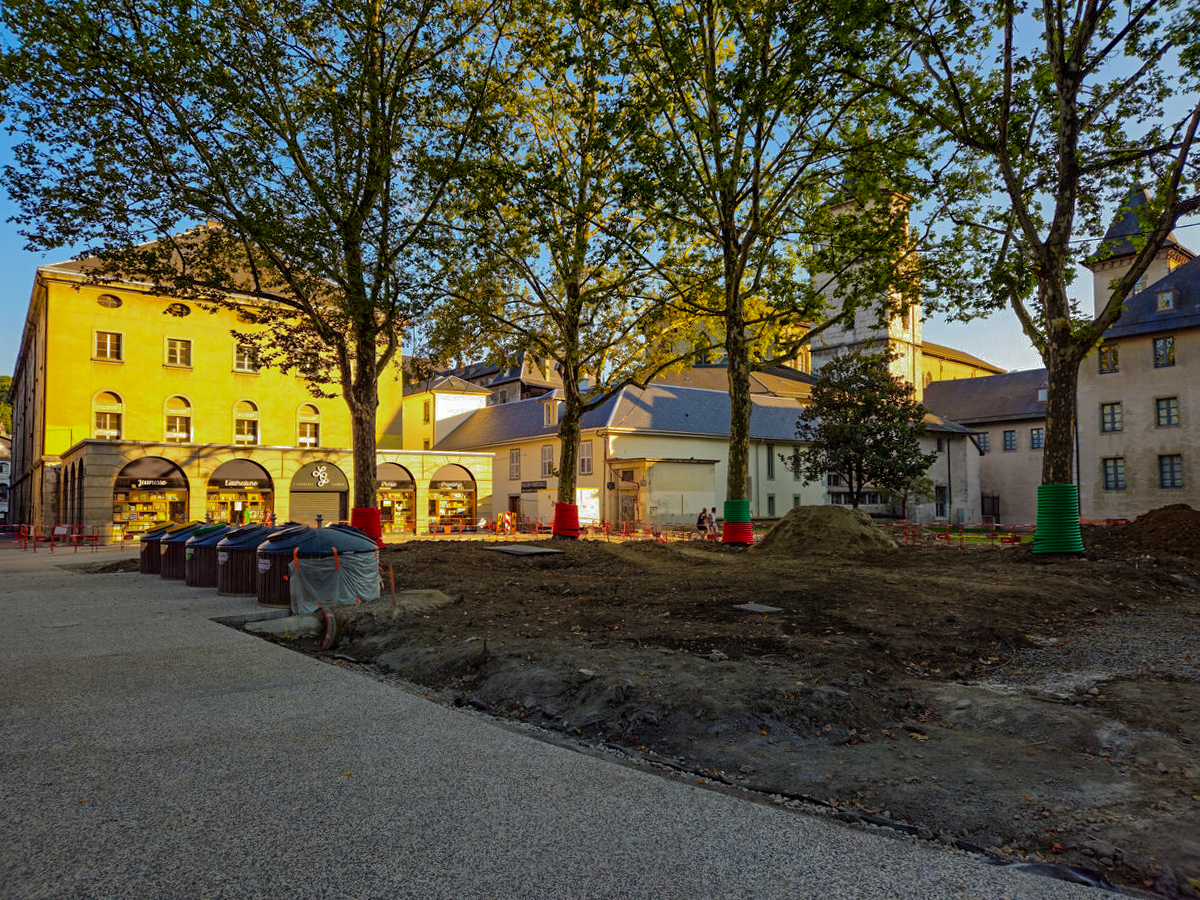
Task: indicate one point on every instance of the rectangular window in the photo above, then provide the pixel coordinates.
(108, 426)
(985, 442)
(1170, 471)
(770, 504)
(179, 352)
(833, 479)
(1037, 438)
(245, 359)
(1109, 359)
(795, 464)
(547, 460)
(425, 444)
(550, 413)
(1164, 352)
(1164, 301)
(1010, 439)
(939, 499)
(1166, 412)
(309, 434)
(941, 445)
(425, 411)
(1114, 473)
(770, 462)
(179, 429)
(514, 465)
(245, 431)
(585, 457)
(108, 346)
(795, 500)
(1111, 417)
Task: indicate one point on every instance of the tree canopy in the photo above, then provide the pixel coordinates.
(862, 425)
(317, 137)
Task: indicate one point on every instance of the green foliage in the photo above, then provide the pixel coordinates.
(770, 234)
(318, 137)
(5, 404)
(1039, 118)
(863, 425)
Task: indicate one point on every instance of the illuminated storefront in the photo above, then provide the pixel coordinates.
(396, 499)
(240, 492)
(451, 500)
(148, 490)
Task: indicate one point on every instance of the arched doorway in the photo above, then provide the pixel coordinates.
(147, 490)
(396, 499)
(319, 489)
(451, 500)
(240, 492)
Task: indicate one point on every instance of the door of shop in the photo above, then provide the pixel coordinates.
(329, 505)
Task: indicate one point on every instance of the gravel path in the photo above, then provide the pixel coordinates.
(149, 752)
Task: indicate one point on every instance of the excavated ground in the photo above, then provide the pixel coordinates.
(1042, 709)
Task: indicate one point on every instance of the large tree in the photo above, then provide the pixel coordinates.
(749, 130)
(1042, 117)
(316, 136)
(550, 256)
(864, 426)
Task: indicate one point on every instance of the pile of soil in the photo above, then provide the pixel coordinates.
(1044, 709)
(120, 565)
(824, 529)
(1171, 529)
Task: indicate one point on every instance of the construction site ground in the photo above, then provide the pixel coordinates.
(1036, 708)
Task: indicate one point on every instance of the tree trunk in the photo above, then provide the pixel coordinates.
(568, 434)
(363, 400)
(1058, 456)
(738, 365)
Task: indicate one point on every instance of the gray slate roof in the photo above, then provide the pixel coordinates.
(662, 409)
(994, 398)
(1141, 314)
(1118, 240)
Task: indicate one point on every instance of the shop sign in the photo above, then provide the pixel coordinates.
(532, 487)
(320, 476)
(395, 485)
(257, 484)
(150, 484)
(459, 486)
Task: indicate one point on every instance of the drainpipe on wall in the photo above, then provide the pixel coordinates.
(949, 487)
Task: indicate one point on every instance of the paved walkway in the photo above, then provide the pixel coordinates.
(147, 752)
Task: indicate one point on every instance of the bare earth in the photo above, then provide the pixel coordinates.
(1041, 709)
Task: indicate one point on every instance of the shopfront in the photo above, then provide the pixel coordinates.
(396, 499)
(451, 500)
(320, 492)
(240, 492)
(148, 490)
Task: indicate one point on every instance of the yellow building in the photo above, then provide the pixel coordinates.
(132, 408)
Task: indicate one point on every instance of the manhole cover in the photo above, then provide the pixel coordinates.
(758, 608)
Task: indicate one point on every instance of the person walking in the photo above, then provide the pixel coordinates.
(711, 522)
(702, 522)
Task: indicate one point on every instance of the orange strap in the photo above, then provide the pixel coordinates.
(296, 556)
(337, 566)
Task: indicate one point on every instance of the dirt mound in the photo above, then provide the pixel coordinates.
(121, 565)
(825, 529)
(1171, 529)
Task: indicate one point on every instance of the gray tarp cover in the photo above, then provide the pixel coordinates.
(317, 582)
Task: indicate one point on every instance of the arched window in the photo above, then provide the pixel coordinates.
(109, 301)
(308, 426)
(178, 413)
(245, 423)
(107, 409)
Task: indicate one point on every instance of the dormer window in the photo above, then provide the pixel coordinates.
(550, 413)
(1164, 301)
(1042, 393)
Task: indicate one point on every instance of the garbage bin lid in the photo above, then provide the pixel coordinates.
(244, 537)
(159, 532)
(285, 540)
(208, 536)
(179, 535)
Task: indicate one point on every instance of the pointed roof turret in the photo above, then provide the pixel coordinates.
(1118, 240)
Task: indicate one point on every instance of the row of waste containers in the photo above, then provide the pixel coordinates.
(284, 565)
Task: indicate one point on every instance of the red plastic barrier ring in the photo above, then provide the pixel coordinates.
(566, 520)
(738, 533)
